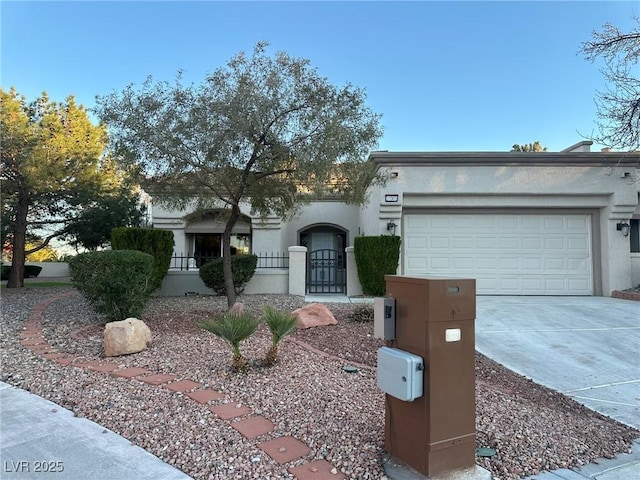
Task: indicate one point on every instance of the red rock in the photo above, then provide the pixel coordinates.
(314, 315)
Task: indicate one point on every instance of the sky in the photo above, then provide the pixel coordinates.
(445, 76)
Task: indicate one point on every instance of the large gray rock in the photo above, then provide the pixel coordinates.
(127, 336)
(314, 315)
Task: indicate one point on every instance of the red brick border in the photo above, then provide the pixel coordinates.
(626, 295)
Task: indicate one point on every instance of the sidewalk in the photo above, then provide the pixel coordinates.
(41, 440)
(625, 466)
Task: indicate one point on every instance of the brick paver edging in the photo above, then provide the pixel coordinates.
(253, 426)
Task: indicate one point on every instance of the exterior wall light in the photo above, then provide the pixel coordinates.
(623, 227)
(391, 227)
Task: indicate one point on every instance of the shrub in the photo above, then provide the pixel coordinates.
(233, 328)
(30, 271)
(242, 266)
(362, 314)
(280, 324)
(156, 242)
(375, 258)
(116, 282)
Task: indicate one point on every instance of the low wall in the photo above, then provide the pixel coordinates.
(52, 269)
(180, 282)
(269, 280)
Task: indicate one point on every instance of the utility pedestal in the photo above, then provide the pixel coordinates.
(434, 319)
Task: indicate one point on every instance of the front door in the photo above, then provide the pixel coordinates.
(325, 269)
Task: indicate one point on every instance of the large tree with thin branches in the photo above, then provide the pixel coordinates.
(267, 130)
(618, 107)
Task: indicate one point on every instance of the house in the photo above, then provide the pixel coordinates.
(543, 223)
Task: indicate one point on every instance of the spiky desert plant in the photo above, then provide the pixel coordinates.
(280, 324)
(233, 328)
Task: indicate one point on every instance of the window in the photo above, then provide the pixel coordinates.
(634, 235)
(207, 246)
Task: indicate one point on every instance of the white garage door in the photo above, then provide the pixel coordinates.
(507, 254)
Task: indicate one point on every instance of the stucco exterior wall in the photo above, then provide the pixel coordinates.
(607, 190)
(329, 212)
(605, 186)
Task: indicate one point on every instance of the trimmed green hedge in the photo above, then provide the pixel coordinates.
(156, 242)
(30, 271)
(375, 258)
(242, 266)
(116, 282)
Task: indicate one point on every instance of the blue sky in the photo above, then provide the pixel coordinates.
(446, 76)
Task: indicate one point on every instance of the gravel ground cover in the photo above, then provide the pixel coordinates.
(306, 394)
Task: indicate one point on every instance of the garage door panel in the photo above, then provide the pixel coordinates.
(416, 243)
(578, 283)
(439, 243)
(578, 265)
(577, 244)
(485, 242)
(508, 254)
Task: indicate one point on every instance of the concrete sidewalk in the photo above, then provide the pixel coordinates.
(41, 440)
(625, 466)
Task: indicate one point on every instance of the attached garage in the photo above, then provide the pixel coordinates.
(508, 254)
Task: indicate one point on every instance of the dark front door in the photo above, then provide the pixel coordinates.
(326, 271)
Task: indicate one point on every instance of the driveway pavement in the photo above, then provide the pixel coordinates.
(585, 347)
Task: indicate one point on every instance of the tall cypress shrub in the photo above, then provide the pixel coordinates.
(156, 242)
(375, 258)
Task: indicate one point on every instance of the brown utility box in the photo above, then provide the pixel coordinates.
(435, 320)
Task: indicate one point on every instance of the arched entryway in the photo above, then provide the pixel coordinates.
(326, 261)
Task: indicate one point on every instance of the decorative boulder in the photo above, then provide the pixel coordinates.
(128, 336)
(314, 315)
(237, 309)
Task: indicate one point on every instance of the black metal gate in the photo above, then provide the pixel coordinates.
(326, 272)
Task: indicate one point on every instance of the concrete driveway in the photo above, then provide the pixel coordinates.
(585, 347)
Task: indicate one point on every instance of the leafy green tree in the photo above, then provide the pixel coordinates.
(92, 228)
(529, 147)
(46, 254)
(618, 107)
(264, 129)
(52, 163)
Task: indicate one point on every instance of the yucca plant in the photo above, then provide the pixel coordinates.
(233, 328)
(280, 324)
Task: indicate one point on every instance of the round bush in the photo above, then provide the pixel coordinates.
(242, 266)
(116, 282)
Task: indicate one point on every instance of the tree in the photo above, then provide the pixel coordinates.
(618, 107)
(531, 147)
(45, 254)
(51, 164)
(266, 130)
(92, 228)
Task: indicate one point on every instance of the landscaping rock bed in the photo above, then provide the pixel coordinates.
(307, 394)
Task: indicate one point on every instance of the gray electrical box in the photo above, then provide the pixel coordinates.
(400, 373)
(384, 318)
